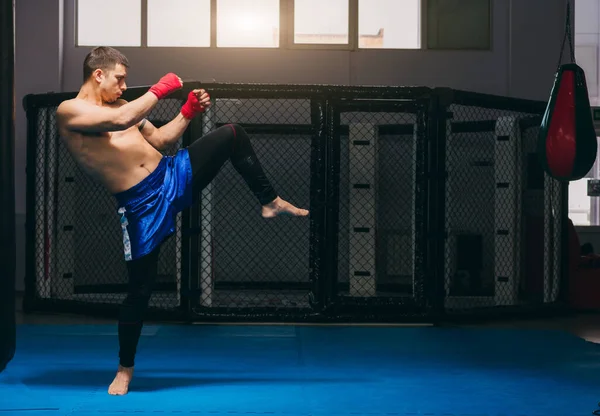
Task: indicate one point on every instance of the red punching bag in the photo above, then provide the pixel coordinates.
(567, 144)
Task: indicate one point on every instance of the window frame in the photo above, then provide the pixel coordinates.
(286, 32)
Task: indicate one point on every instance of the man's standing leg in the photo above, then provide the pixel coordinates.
(142, 276)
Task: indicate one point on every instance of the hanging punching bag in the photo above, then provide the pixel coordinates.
(567, 144)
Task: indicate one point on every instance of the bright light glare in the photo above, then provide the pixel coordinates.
(243, 23)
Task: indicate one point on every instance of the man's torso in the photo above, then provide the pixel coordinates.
(118, 160)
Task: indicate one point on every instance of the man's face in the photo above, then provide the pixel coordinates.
(112, 83)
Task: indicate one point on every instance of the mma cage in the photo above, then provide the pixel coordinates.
(425, 204)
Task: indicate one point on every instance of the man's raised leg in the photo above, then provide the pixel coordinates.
(231, 142)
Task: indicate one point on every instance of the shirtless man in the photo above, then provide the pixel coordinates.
(113, 142)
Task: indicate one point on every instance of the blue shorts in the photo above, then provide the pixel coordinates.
(148, 210)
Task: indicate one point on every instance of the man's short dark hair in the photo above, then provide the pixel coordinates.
(104, 58)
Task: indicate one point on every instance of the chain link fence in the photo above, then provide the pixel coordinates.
(423, 203)
(380, 228)
(245, 262)
(503, 214)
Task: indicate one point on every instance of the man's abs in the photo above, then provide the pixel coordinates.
(118, 160)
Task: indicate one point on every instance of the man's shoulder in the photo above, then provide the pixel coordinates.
(67, 103)
(70, 105)
(69, 109)
(76, 105)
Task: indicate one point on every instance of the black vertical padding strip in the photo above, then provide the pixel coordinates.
(318, 205)
(420, 242)
(53, 134)
(565, 259)
(31, 170)
(190, 225)
(7, 186)
(435, 260)
(333, 199)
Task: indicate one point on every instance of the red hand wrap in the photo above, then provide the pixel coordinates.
(166, 85)
(192, 106)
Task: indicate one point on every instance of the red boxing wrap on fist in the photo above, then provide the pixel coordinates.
(166, 85)
(192, 106)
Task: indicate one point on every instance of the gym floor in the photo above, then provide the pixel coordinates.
(584, 325)
(539, 367)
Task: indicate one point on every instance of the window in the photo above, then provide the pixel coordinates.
(579, 203)
(389, 24)
(583, 209)
(168, 26)
(115, 30)
(458, 24)
(329, 26)
(317, 24)
(243, 23)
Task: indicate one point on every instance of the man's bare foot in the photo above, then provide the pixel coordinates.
(281, 207)
(120, 385)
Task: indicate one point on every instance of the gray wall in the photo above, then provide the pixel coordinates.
(527, 37)
(38, 62)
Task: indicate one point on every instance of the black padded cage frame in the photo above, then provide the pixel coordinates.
(425, 204)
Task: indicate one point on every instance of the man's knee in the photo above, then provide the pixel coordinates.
(133, 309)
(140, 291)
(236, 129)
(138, 298)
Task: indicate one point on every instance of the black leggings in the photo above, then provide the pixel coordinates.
(207, 156)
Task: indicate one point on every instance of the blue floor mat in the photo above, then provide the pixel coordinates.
(287, 370)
